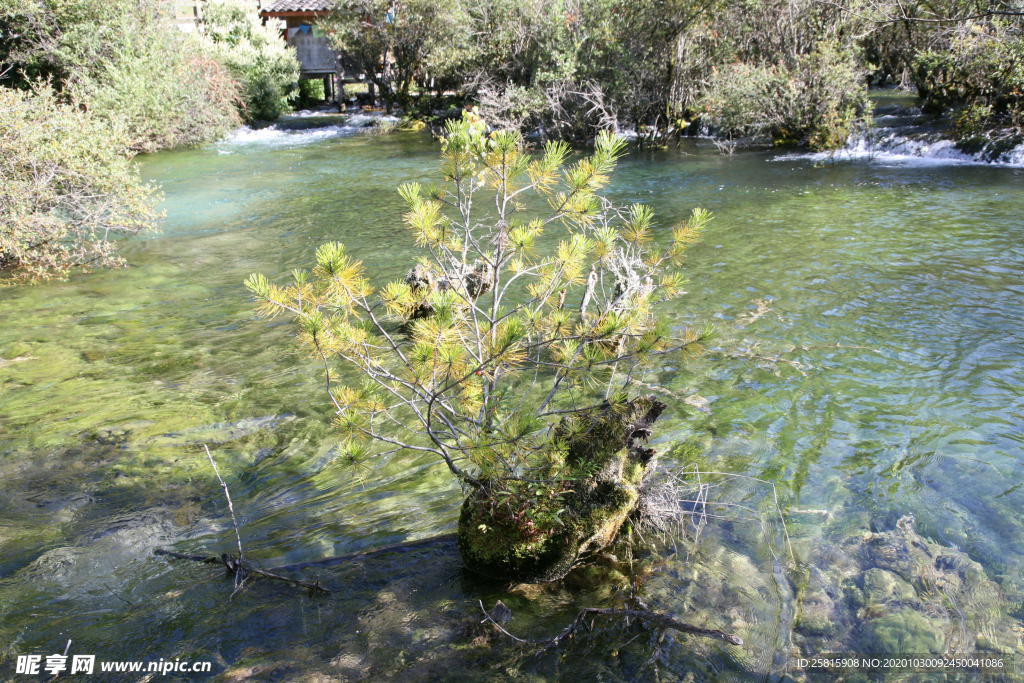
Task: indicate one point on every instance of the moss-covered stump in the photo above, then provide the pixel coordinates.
(604, 450)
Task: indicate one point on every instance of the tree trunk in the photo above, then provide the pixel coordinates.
(613, 443)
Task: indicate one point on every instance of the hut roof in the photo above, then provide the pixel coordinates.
(292, 7)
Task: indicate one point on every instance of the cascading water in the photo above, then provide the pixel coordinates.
(901, 134)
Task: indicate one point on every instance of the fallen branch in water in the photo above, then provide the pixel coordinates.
(656, 618)
(325, 562)
(366, 554)
(237, 568)
(181, 556)
(233, 566)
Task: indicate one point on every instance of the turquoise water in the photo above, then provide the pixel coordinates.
(870, 366)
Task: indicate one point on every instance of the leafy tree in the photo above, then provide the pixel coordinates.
(68, 188)
(954, 52)
(125, 62)
(816, 102)
(500, 349)
(391, 41)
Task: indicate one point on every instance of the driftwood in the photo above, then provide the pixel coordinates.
(403, 547)
(231, 564)
(237, 568)
(207, 559)
(656, 618)
(240, 570)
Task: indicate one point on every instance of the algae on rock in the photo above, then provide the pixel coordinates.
(896, 592)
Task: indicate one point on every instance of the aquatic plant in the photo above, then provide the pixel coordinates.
(512, 359)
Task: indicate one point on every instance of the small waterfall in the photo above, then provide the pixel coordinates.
(900, 134)
(302, 128)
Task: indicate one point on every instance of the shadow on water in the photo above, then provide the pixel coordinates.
(870, 366)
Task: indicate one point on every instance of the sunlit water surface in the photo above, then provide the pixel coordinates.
(871, 365)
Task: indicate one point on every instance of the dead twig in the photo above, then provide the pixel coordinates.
(129, 602)
(367, 554)
(231, 509)
(207, 559)
(235, 567)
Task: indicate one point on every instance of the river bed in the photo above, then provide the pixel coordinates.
(871, 367)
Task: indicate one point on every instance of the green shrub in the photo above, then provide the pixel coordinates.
(311, 91)
(981, 71)
(125, 62)
(68, 188)
(815, 101)
(971, 120)
(255, 55)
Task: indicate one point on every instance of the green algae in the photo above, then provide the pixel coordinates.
(906, 632)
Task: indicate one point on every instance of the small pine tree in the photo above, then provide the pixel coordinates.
(496, 354)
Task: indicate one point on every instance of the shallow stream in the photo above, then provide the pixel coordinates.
(871, 366)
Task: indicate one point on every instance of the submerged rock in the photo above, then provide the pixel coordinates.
(612, 448)
(905, 632)
(896, 592)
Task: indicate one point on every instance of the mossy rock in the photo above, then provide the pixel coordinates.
(881, 587)
(905, 632)
(612, 446)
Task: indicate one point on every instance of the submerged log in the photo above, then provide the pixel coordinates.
(612, 444)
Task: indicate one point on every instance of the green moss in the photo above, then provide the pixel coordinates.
(633, 472)
(16, 350)
(590, 515)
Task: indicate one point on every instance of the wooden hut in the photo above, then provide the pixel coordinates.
(316, 58)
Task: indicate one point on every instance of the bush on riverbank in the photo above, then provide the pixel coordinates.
(567, 71)
(255, 56)
(959, 57)
(87, 83)
(981, 73)
(393, 45)
(68, 188)
(815, 101)
(127, 64)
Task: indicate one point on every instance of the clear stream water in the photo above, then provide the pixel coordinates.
(871, 365)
